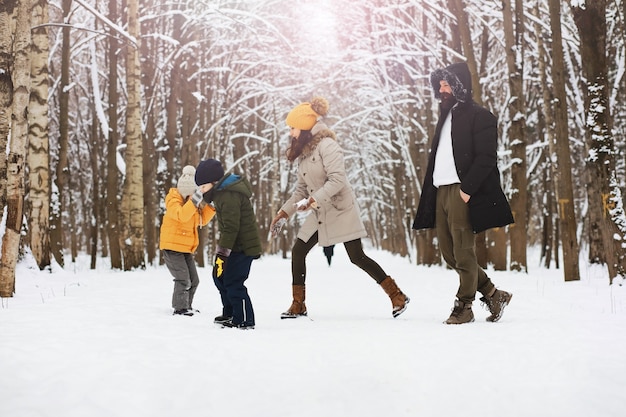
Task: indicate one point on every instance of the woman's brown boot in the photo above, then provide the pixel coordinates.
(399, 301)
(298, 308)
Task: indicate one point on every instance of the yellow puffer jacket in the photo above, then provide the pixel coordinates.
(179, 231)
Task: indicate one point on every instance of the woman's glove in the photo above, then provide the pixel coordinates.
(306, 203)
(278, 222)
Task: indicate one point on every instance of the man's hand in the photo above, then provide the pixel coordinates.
(465, 197)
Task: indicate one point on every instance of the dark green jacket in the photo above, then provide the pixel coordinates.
(235, 216)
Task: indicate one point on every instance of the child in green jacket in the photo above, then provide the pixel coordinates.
(239, 242)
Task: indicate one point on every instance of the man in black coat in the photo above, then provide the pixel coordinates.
(461, 194)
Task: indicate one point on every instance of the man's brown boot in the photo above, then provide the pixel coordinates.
(496, 303)
(298, 308)
(461, 313)
(399, 301)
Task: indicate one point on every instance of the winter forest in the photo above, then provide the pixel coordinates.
(103, 102)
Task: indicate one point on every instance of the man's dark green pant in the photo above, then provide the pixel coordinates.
(456, 242)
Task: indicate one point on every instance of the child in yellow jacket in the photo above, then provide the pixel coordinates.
(185, 211)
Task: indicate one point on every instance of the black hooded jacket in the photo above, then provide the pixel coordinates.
(474, 146)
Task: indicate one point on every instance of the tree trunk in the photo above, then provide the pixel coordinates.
(549, 239)
(171, 129)
(74, 186)
(595, 212)
(563, 168)
(6, 89)
(465, 33)
(400, 198)
(604, 193)
(38, 158)
(112, 186)
(150, 199)
(57, 236)
(497, 248)
(132, 197)
(93, 215)
(513, 37)
(427, 251)
(150, 192)
(17, 149)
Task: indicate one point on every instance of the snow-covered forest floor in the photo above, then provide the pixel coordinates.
(102, 343)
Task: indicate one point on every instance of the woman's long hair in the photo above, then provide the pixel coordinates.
(297, 145)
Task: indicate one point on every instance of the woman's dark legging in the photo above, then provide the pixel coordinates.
(354, 248)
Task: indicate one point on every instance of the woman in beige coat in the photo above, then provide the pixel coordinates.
(323, 189)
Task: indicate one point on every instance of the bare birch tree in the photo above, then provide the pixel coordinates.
(7, 8)
(38, 146)
(20, 71)
(132, 195)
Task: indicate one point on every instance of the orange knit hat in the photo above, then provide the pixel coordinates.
(305, 115)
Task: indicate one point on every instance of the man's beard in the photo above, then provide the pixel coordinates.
(447, 100)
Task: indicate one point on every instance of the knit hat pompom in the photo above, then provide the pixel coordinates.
(305, 115)
(189, 170)
(186, 183)
(320, 105)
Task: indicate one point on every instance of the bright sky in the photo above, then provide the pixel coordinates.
(319, 26)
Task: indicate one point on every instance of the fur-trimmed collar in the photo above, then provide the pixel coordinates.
(320, 131)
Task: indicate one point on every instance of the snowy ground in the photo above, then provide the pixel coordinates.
(104, 344)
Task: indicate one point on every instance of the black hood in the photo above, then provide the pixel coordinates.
(458, 77)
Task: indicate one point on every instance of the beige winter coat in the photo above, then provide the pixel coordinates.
(322, 175)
